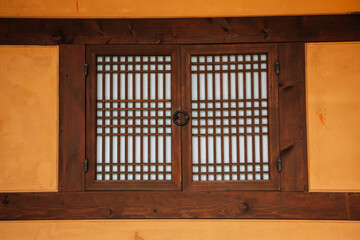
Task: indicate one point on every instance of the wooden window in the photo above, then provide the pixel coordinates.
(231, 93)
(132, 143)
(230, 142)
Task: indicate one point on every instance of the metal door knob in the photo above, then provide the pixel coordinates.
(176, 117)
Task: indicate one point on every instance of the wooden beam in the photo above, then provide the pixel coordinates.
(292, 117)
(117, 205)
(71, 118)
(181, 31)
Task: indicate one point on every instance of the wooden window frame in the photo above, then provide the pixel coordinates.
(292, 130)
(293, 201)
(91, 53)
(272, 91)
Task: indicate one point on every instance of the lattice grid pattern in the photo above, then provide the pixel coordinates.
(133, 118)
(230, 118)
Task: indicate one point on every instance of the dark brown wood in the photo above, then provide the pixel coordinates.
(115, 205)
(71, 118)
(272, 183)
(180, 31)
(92, 52)
(292, 117)
(353, 206)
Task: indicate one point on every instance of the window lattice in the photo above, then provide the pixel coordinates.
(229, 117)
(133, 118)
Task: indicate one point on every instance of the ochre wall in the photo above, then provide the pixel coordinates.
(333, 114)
(28, 118)
(179, 229)
(171, 8)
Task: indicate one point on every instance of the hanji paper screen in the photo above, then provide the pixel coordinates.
(133, 140)
(230, 118)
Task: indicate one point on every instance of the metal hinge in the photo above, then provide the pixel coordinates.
(86, 69)
(279, 164)
(277, 67)
(86, 165)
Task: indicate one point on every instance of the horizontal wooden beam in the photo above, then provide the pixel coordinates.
(116, 205)
(181, 31)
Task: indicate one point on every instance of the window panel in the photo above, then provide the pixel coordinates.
(230, 118)
(134, 104)
(134, 130)
(228, 163)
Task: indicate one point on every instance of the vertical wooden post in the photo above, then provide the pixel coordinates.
(72, 118)
(292, 117)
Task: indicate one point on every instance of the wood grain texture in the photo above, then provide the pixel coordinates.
(180, 31)
(72, 118)
(292, 117)
(115, 205)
